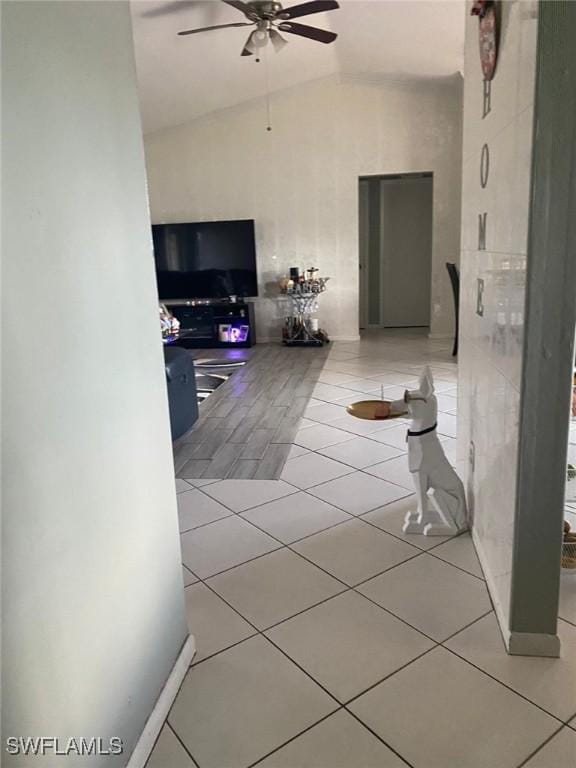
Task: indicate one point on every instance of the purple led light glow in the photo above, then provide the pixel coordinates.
(235, 334)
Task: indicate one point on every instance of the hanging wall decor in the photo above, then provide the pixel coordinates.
(487, 12)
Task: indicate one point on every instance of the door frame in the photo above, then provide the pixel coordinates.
(363, 271)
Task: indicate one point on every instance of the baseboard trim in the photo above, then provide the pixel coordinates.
(534, 644)
(273, 339)
(345, 338)
(154, 724)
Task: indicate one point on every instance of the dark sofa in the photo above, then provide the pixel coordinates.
(182, 396)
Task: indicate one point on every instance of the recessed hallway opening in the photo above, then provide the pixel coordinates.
(395, 250)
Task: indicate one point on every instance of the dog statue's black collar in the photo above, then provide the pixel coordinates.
(422, 432)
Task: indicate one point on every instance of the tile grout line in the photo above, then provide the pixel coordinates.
(399, 538)
(308, 535)
(436, 644)
(367, 436)
(373, 732)
(413, 557)
(213, 655)
(340, 705)
(385, 372)
(471, 624)
(306, 414)
(293, 738)
(347, 586)
(166, 722)
(504, 685)
(261, 530)
(204, 525)
(318, 452)
(184, 747)
(360, 469)
(431, 552)
(347, 474)
(334, 525)
(261, 633)
(382, 506)
(245, 562)
(156, 740)
(544, 743)
(388, 676)
(250, 480)
(328, 528)
(241, 516)
(325, 482)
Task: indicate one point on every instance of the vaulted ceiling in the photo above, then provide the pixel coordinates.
(181, 78)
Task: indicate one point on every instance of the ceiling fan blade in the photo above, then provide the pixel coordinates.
(172, 7)
(305, 9)
(320, 35)
(218, 26)
(277, 40)
(243, 8)
(249, 47)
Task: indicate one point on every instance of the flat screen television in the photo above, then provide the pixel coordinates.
(205, 260)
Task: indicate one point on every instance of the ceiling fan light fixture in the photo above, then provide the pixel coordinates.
(277, 40)
(259, 37)
(268, 16)
(249, 48)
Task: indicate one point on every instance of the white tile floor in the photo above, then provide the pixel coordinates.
(327, 638)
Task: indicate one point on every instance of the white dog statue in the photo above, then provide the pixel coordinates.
(430, 467)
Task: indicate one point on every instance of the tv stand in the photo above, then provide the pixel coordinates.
(214, 323)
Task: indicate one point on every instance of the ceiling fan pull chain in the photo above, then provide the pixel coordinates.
(267, 76)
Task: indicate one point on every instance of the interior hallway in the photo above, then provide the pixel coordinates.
(328, 639)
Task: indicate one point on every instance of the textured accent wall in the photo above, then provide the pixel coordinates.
(300, 181)
(490, 360)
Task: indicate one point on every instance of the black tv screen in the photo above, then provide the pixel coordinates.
(205, 260)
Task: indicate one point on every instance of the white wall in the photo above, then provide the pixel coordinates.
(406, 226)
(93, 600)
(490, 359)
(300, 181)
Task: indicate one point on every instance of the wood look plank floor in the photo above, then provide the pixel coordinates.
(247, 426)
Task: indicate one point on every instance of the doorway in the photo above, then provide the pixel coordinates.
(395, 228)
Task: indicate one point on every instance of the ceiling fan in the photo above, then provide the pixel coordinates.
(268, 17)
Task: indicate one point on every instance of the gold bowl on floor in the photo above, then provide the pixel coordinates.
(373, 409)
